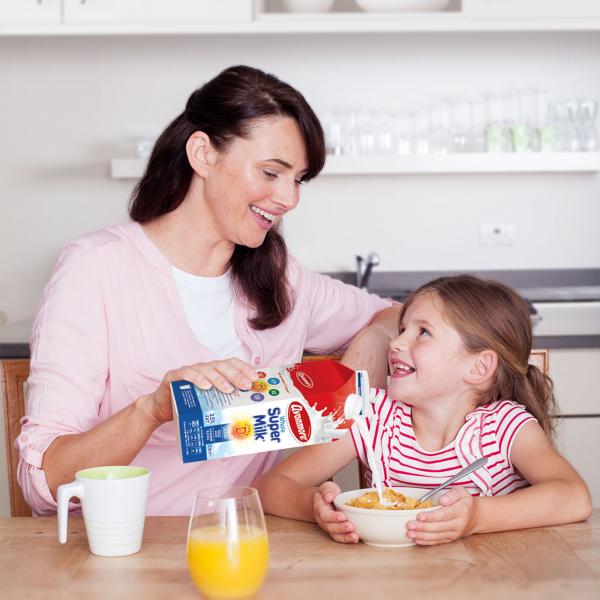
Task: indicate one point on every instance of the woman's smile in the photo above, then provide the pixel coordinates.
(265, 219)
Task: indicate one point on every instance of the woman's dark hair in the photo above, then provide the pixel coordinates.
(489, 315)
(226, 108)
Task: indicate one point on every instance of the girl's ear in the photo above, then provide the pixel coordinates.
(199, 151)
(482, 368)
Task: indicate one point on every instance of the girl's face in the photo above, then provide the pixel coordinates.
(256, 181)
(427, 359)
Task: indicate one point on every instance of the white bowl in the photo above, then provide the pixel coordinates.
(402, 5)
(308, 6)
(386, 528)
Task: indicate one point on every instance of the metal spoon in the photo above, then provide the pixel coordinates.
(468, 469)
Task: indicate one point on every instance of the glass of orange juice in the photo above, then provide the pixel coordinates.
(228, 550)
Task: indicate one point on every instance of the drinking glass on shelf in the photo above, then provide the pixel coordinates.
(477, 131)
(497, 134)
(350, 134)
(333, 133)
(546, 123)
(384, 139)
(523, 131)
(439, 119)
(570, 131)
(365, 132)
(228, 550)
(460, 112)
(421, 131)
(402, 135)
(588, 133)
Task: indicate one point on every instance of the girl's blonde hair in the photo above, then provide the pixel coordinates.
(489, 315)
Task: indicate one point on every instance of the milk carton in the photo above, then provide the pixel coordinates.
(298, 405)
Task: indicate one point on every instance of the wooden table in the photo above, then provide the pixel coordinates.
(554, 562)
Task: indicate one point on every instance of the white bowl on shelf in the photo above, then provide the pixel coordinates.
(402, 5)
(307, 6)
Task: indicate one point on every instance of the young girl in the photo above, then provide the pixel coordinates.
(460, 388)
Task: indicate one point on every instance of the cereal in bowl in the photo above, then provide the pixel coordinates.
(402, 502)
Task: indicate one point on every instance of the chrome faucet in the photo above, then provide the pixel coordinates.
(364, 269)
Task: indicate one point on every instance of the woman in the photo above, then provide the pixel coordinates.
(201, 277)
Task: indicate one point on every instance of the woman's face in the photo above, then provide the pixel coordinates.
(256, 181)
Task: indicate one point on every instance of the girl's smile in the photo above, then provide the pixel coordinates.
(399, 368)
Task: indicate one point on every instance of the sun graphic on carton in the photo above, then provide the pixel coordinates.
(240, 429)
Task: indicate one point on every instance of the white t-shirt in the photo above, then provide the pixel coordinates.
(208, 305)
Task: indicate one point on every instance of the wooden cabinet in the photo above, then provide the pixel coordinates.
(30, 11)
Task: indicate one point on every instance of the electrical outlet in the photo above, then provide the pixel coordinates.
(497, 235)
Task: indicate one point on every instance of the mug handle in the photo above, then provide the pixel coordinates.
(64, 493)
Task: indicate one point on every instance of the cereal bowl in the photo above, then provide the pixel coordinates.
(385, 528)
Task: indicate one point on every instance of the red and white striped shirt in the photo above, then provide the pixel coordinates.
(488, 431)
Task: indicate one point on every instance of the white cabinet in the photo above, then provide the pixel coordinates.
(578, 441)
(127, 17)
(155, 11)
(575, 376)
(30, 11)
(541, 9)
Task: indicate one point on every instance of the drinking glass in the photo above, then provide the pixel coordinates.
(460, 112)
(228, 550)
(589, 140)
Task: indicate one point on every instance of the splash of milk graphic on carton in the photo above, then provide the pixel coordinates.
(288, 406)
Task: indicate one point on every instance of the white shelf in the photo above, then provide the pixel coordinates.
(281, 23)
(133, 168)
(464, 163)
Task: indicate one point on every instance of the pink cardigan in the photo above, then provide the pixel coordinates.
(111, 323)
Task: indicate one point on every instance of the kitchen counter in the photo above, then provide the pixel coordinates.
(567, 301)
(546, 563)
(14, 339)
(536, 285)
(557, 294)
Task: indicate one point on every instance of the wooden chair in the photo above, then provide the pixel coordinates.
(13, 375)
(539, 358)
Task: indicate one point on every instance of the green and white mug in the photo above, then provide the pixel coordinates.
(113, 503)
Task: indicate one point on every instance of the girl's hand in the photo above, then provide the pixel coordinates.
(454, 520)
(330, 520)
(225, 375)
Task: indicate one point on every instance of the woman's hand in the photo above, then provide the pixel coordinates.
(455, 519)
(330, 520)
(225, 375)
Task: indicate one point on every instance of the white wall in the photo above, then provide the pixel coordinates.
(67, 105)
